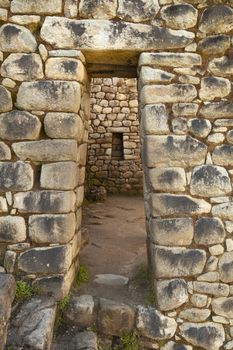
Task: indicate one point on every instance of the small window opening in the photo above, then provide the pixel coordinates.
(117, 146)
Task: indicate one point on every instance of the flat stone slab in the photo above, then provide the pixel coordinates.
(111, 280)
(32, 327)
(80, 341)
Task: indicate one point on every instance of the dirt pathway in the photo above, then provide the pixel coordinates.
(117, 245)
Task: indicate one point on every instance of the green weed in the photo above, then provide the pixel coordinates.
(60, 311)
(82, 275)
(24, 291)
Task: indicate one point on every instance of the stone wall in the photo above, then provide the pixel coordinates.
(186, 109)
(114, 113)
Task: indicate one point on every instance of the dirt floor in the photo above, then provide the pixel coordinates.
(116, 245)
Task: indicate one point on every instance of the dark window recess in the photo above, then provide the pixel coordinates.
(117, 146)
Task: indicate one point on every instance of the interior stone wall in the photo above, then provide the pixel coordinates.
(185, 72)
(114, 109)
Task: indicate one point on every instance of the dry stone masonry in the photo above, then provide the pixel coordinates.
(181, 52)
(114, 160)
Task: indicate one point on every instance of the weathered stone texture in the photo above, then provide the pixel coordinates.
(168, 93)
(46, 150)
(221, 66)
(16, 176)
(216, 19)
(30, 6)
(63, 126)
(12, 229)
(65, 69)
(178, 262)
(171, 232)
(169, 59)
(171, 294)
(45, 260)
(103, 9)
(222, 155)
(22, 67)
(45, 201)
(154, 325)
(214, 45)
(59, 176)
(209, 231)
(209, 181)
(209, 335)
(5, 100)
(60, 96)
(223, 307)
(226, 267)
(15, 38)
(213, 87)
(174, 151)
(181, 16)
(51, 228)
(168, 204)
(19, 125)
(155, 119)
(167, 179)
(137, 10)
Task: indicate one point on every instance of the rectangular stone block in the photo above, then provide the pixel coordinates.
(64, 126)
(46, 150)
(41, 7)
(12, 229)
(178, 262)
(172, 232)
(49, 95)
(167, 179)
(173, 151)
(16, 176)
(52, 228)
(46, 260)
(59, 176)
(172, 93)
(155, 120)
(170, 59)
(169, 204)
(45, 201)
(65, 69)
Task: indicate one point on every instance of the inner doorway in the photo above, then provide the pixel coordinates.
(113, 216)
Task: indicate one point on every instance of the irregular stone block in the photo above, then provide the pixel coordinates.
(7, 294)
(208, 335)
(115, 318)
(64, 125)
(181, 16)
(213, 87)
(209, 181)
(199, 127)
(171, 232)
(226, 267)
(221, 66)
(171, 345)
(109, 279)
(65, 69)
(30, 21)
(167, 179)
(215, 110)
(173, 151)
(168, 204)
(215, 289)
(214, 45)
(171, 294)
(46, 260)
(137, 10)
(104, 9)
(185, 109)
(16, 176)
(80, 311)
(59, 176)
(46, 150)
(45, 201)
(22, 67)
(30, 6)
(230, 136)
(9, 261)
(12, 229)
(195, 315)
(3, 205)
(5, 100)
(150, 75)
(14, 38)
(155, 119)
(19, 125)
(168, 93)
(216, 19)
(169, 59)
(60, 96)
(84, 35)
(223, 307)
(5, 152)
(33, 326)
(209, 231)
(223, 155)
(52, 228)
(154, 325)
(178, 262)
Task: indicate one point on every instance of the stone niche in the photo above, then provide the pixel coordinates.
(114, 161)
(181, 53)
